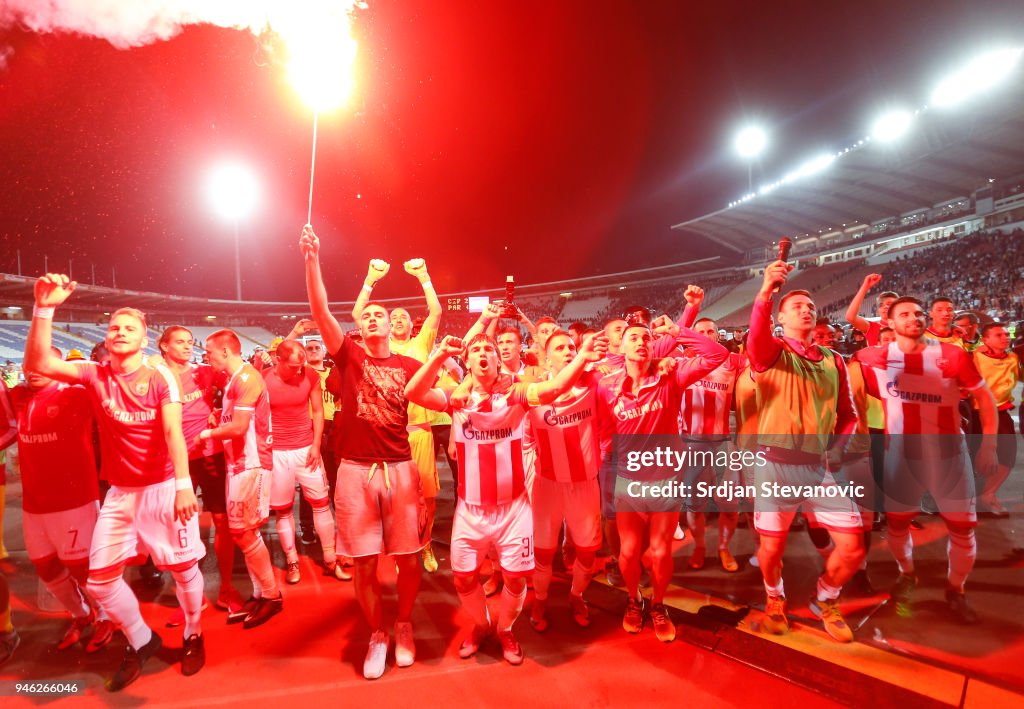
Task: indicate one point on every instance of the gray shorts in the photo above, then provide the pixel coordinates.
(379, 509)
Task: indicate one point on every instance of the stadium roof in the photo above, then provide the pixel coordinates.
(947, 154)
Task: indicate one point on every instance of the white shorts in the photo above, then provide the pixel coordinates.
(858, 472)
(505, 529)
(290, 468)
(947, 476)
(136, 521)
(248, 499)
(773, 515)
(66, 535)
(578, 503)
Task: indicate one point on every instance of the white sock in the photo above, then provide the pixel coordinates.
(66, 590)
(257, 592)
(826, 592)
(188, 587)
(510, 607)
(962, 550)
(475, 604)
(117, 599)
(901, 544)
(285, 523)
(779, 590)
(324, 523)
(257, 560)
(581, 576)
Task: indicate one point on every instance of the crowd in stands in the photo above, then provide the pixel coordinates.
(983, 272)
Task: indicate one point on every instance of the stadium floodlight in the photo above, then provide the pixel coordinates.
(892, 125)
(233, 191)
(751, 142)
(980, 74)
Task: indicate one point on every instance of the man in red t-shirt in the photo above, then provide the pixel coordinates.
(60, 496)
(297, 412)
(151, 506)
(378, 502)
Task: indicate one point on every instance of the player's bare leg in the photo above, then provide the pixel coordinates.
(661, 526)
(697, 522)
(409, 577)
(631, 528)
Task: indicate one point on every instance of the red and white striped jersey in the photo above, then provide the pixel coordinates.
(566, 434)
(920, 392)
(488, 436)
(707, 403)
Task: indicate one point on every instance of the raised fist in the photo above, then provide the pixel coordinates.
(694, 295)
(416, 267)
(872, 279)
(595, 346)
(490, 312)
(377, 270)
(450, 345)
(309, 243)
(53, 289)
(663, 325)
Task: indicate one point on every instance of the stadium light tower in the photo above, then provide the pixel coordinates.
(750, 142)
(233, 191)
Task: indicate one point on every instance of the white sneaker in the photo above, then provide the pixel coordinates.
(376, 655)
(405, 646)
(679, 535)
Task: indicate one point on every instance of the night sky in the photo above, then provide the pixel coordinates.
(547, 140)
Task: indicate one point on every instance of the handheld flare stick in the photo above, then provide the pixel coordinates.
(785, 246)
